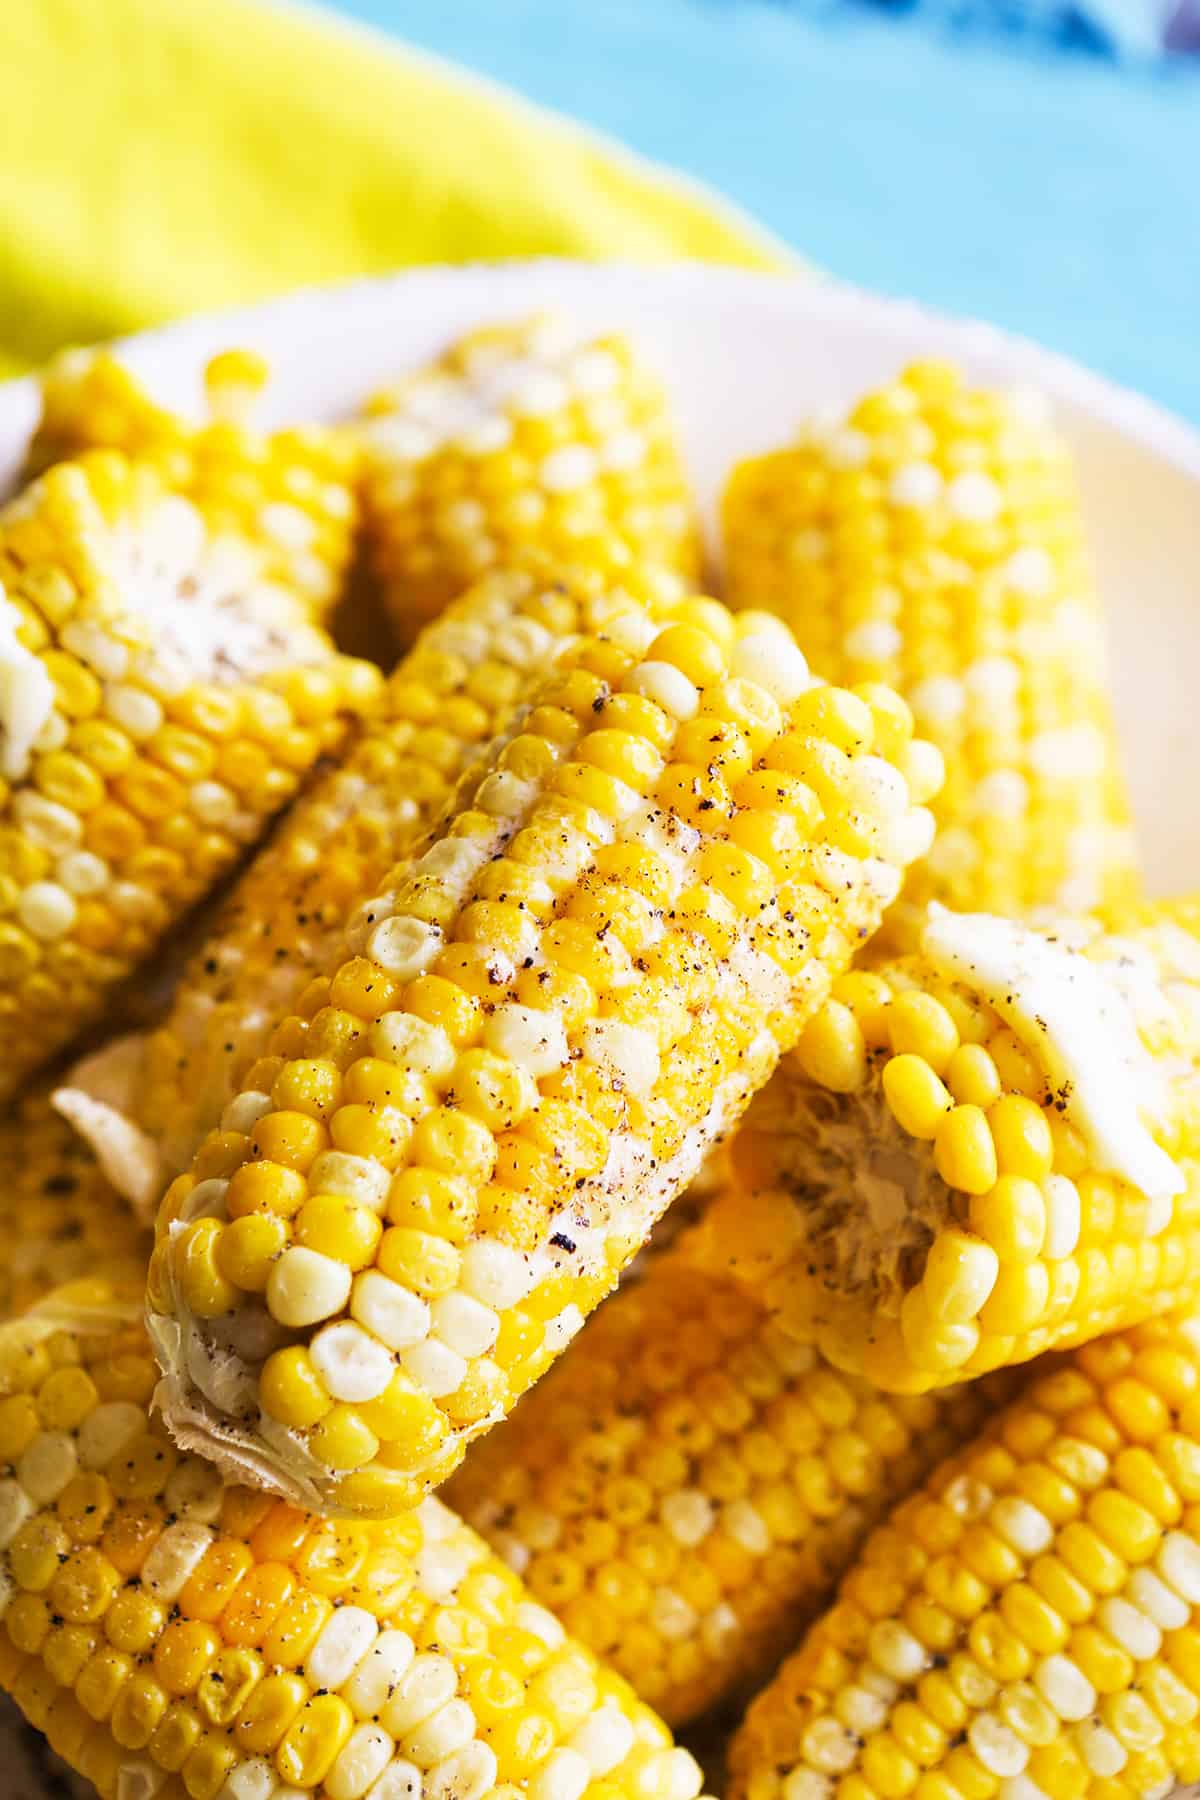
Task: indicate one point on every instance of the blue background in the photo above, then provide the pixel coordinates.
(1054, 192)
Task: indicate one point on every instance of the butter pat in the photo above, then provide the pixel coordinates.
(1081, 1030)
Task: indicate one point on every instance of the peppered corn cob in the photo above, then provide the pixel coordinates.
(291, 493)
(59, 1217)
(147, 1103)
(933, 541)
(159, 701)
(174, 1638)
(1027, 1625)
(981, 1151)
(522, 437)
(686, 1486)
(545, 1021)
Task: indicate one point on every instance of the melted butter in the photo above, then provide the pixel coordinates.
(1081, 1028)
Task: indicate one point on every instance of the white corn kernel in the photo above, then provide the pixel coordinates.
(345, 1639)
(435, 1367)
(627, 1054)
(46, 910)
(389, 1311)
(466, 1774)
(168, 1568)
(450, 1728)
(305, 1287)
(1178, 1562)
(998, 1748)
(1130, 1627)
(1104, 1754)
(828, 1746)
(1065, 1687)
(894, 1650)
(1021, 1525)
(363, 1758)
(806, 1784)
(536, 1041)
(666, 686)
(465, 1324)
(688, 1515)
(427, 1684)
(108, 1430)
(15, 1508)
(351, 1177)
(495, 1273)
(563, 1776)
(254, 1779)
(353, 1365)
(400, 1781)
(405, 947)
(604, 1740)
(774, 663)
(400, 1038)
(1159, 1602)
(47, 1465)
(378, 1673)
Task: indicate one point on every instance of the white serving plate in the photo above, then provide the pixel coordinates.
(746, 357)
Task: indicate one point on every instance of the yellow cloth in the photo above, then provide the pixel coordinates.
(159, 157)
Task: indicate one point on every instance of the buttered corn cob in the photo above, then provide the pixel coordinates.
(160, 700)
(290, 493)
(179, 1640)
(146, 1104)
(468, 1130)
(521, 438)
(684, 1489)
(1027, 1626)
(981, 1151)
(59, 1217)
(933, 540)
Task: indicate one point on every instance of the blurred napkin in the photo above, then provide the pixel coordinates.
(159, 157)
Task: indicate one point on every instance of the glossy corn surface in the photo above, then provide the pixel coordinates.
(292, 492)
(59, 1217)
(686, 1486)
(175, 1638)
(1026, 1625)
(526, 438)
(160, 701)
(933, 540)
(977, 1154)
(467, 1130)
(147, 1105)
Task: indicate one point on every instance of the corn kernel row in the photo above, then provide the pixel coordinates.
(981, 1151)
(521, 438)
(159, 702)
(685, 1487)
(291, 493)
(469, 1128)
(1027, 1625)
(146, 1106)
(933, 540)
(173, 1637)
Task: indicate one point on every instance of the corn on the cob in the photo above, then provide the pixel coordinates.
(159, 701)
(933, 541)
(542, 1026)
(684, 1489)
(146, 1104)
(520, 438)
(291, 493)
(59, 1217)
(1027, 1625)
(177, 1640)
(981, 1151)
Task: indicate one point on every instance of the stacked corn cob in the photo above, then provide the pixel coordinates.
(290, 493)
(160, 700)
(545, 1022)
(981, 1151)
(1026, 1626)
(522, 438)
(173, 1637)
(685, 1487)
(933, 541)
(146, 1105)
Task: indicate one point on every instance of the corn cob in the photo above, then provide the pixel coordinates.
(934, 541)
(147, 1103)
(981, 1151)
(686, 1486)
(159, 701)
(173, 1638)
(544, 1022)
(289, 493)
(1027, 1625)
(59, 1218)
(521, 438)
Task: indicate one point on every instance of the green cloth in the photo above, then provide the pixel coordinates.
(160, 157)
